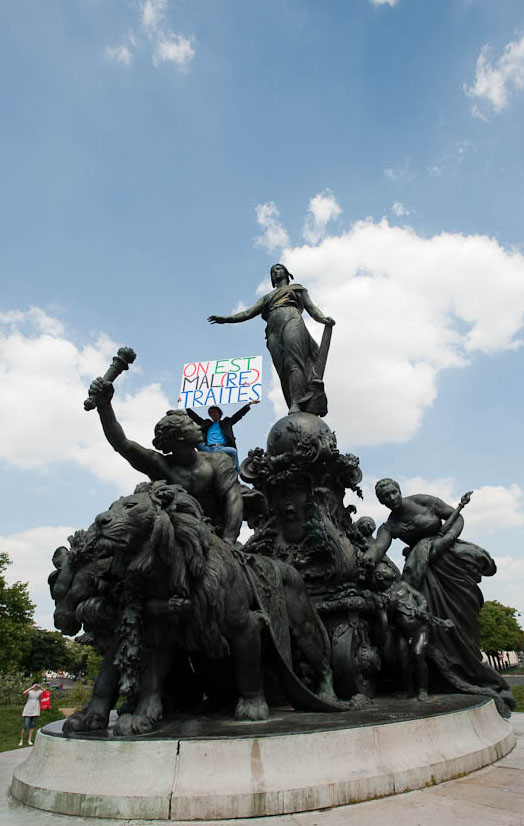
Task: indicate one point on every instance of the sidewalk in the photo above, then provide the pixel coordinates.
(490, 797)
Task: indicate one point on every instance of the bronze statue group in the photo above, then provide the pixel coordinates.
(191, 622)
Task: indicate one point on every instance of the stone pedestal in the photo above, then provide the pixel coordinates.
(293, 763)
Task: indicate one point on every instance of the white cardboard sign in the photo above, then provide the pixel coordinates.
(221, 381)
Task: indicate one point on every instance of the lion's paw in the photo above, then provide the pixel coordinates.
(129, 724)
(85, 721)
(251, 708)
(359, 702)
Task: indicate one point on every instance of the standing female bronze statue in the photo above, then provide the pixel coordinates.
(446, 570)
(294, 352)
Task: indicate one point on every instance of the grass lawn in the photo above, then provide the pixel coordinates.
(11, 717)
(518, 693)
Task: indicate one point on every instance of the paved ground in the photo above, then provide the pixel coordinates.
(514, 679)
(489, 797)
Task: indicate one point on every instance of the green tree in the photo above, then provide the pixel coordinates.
(16, 611)
(77, 657)
(94, 661)
(47, 650)
(499, 628)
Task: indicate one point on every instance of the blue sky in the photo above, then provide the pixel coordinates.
(157, 156)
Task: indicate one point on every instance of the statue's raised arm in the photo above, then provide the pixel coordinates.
(297, 357)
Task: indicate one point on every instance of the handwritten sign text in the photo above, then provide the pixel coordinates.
(221, 381)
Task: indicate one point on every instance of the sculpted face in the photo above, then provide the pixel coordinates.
(366, 525)
(389, 494)
(279, 276)
(128, 519)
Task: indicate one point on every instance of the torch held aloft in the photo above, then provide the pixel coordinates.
(121, 362)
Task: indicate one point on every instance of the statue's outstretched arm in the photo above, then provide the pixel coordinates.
(376, 550)
(236, 318)
(315, 312)
(139, 457)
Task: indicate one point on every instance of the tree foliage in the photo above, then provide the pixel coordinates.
(16, 611)
(47, 650)
(499, 628)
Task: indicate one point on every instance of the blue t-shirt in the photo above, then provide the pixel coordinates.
(215, 435)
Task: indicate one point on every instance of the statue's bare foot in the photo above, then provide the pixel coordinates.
(251, 708)
(422, 695)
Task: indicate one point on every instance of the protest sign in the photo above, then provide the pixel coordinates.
(221, 381)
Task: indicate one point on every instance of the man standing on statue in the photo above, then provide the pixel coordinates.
(218, 431)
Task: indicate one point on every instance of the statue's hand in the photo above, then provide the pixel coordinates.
(101, 391)
(368, 560)
(329, 322)
(217, 319)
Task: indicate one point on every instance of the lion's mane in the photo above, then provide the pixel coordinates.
(190, 561)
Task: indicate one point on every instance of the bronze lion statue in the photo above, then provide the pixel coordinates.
(151, 579)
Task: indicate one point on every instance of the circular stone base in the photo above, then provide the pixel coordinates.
(212, 768)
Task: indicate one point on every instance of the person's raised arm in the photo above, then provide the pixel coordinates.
(315, 312)
(195, 417)
(142, 459)
(244, 315)
(243, 410)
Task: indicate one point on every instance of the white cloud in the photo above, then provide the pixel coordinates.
(452, 159)
(124, 52)
(45, 376)
(399, 209)
(173, 48)
(167, 45)
(507, 585)
(495, 82)
(383, 2)
(153, 14)
(274, 236)
(322, 209)
(399, 173)
(411, 307)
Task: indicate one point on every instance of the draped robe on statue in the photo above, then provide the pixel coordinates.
(293, 350)
(449, 583)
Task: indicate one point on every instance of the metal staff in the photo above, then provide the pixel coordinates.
(121, 362)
